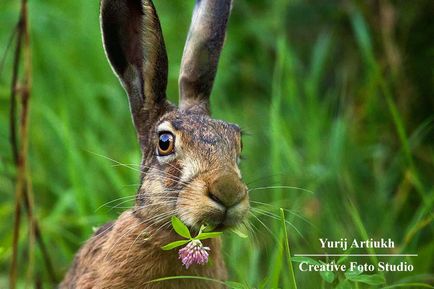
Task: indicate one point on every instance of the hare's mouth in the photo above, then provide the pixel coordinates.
(220, 200)
(215, 215)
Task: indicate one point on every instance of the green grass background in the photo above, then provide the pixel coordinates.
(338, 100)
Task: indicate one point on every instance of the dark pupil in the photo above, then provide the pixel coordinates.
(164, 142)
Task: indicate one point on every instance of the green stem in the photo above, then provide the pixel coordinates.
(288, 251)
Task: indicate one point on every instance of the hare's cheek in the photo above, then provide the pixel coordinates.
(172, 176)
(192, 203)
(191, 168)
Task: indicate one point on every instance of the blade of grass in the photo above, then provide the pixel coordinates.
(418, 285)
(230, 284)
(288, 251)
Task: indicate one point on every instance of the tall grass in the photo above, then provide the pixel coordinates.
(327, 134)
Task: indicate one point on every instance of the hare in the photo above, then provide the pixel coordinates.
(189, 166)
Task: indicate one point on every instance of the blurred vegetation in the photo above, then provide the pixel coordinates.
(337, 97)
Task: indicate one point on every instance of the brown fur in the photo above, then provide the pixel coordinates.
(127, 253)
(122, 257)
(199, 181)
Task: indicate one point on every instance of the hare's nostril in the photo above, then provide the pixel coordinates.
(227, 189)
(225, 202)
(216, 199)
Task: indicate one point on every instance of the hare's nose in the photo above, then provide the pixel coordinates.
(227, 190)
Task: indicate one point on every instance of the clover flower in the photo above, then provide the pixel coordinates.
(194, 253)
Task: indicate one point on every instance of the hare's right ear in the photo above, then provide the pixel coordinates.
(134, 45)
(202, 51)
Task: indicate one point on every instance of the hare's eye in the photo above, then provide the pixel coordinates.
(166, 143)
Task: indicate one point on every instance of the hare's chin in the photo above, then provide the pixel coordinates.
(235, 217)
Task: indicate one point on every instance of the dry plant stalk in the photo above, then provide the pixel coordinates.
(23, 191)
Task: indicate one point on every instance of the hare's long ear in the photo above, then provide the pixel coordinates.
(202, 51)
(134, 45)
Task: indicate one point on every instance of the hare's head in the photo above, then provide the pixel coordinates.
(190, 161)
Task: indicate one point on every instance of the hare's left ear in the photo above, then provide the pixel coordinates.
(202, 51)
(134, 45)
